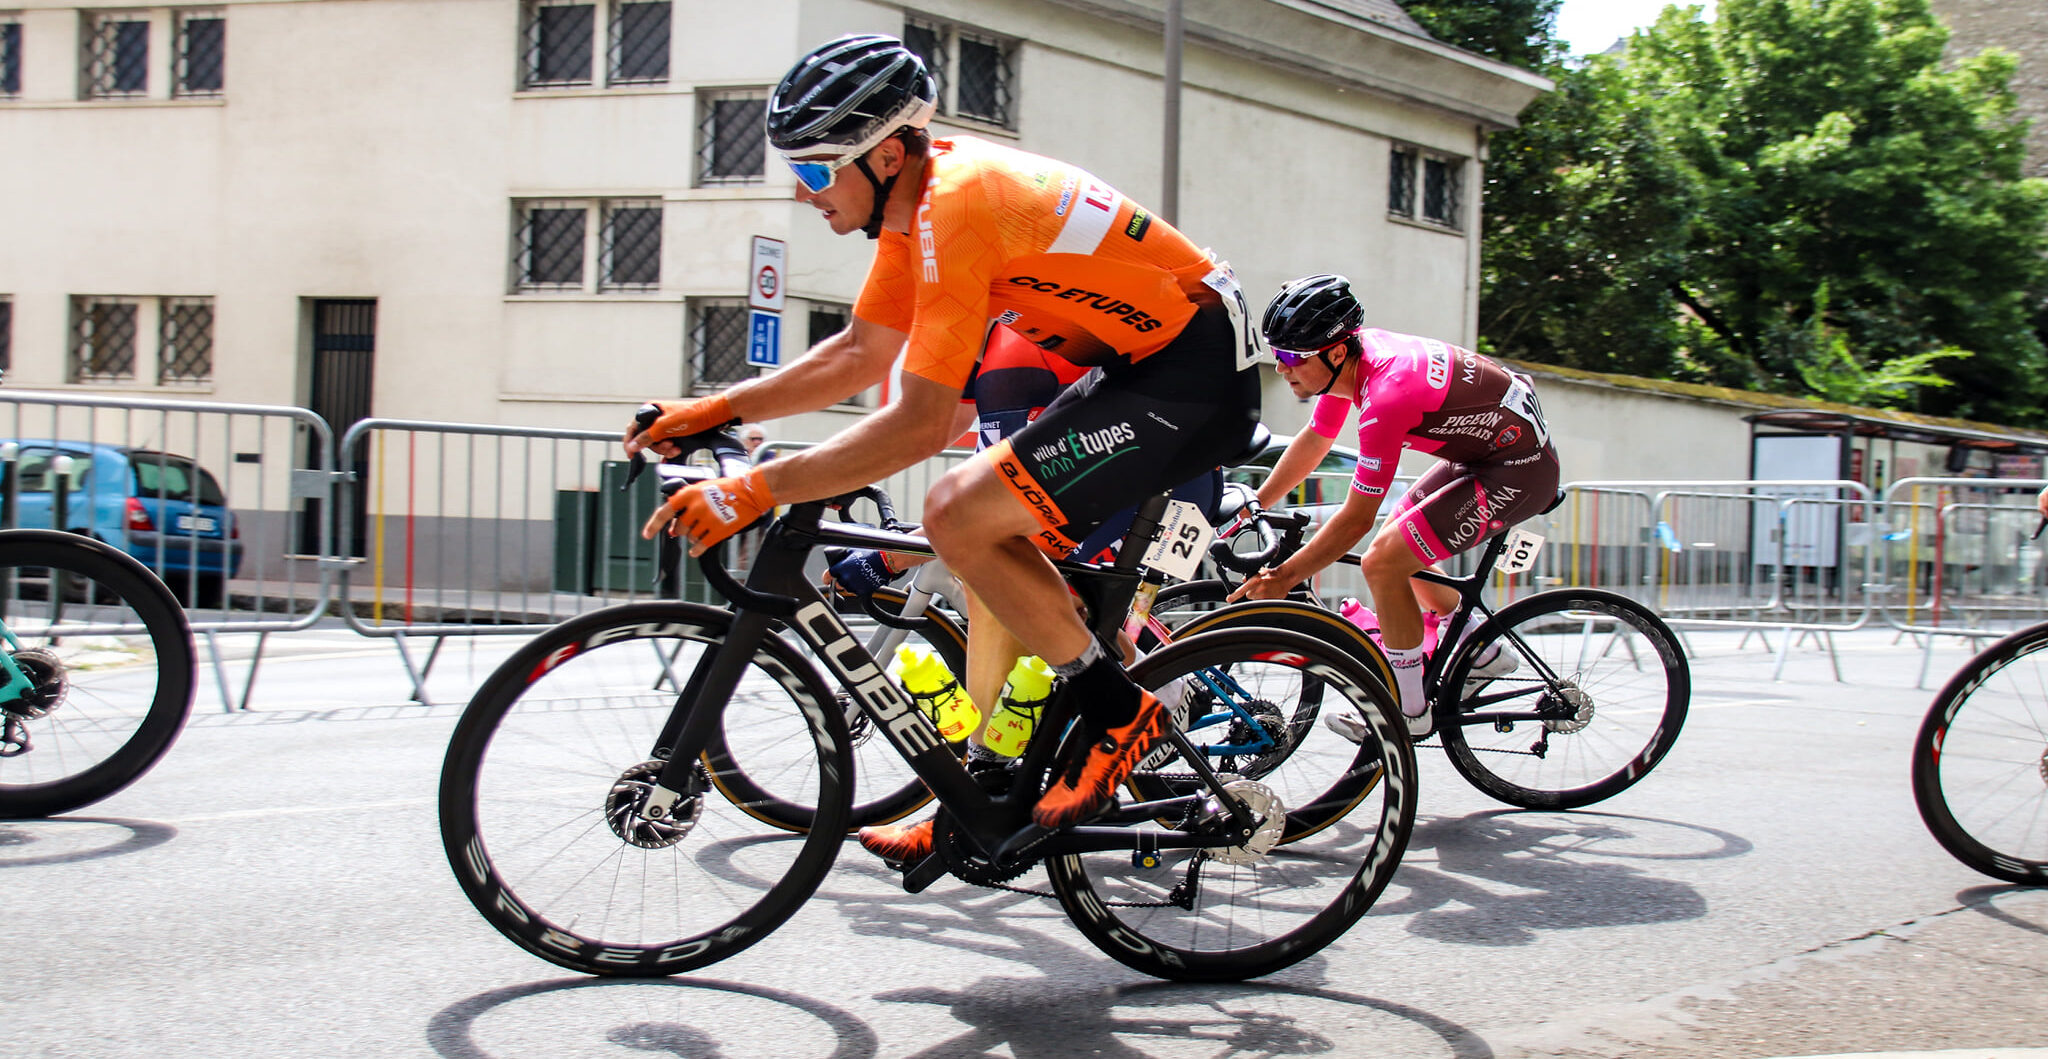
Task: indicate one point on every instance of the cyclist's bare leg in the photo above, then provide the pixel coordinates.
(985, 536)
(1388, 566)
(991, 651)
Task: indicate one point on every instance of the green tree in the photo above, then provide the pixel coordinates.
(1795, 180)
(1520, 32)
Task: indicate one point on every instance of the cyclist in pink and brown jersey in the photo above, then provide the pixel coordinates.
(1479, 418)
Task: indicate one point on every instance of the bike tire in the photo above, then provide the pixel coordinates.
(1254, 918)
(876, 763)
(1624, 719)
(1318, 797)
(120, 714)
(1980, 761)
(538, 787)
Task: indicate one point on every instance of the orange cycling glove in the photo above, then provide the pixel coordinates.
(679, 419)
(709, 512)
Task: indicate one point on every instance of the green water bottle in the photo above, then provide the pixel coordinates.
(1024, 695)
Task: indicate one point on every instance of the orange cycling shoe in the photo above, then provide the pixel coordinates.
(1081, 792)
(902, 843)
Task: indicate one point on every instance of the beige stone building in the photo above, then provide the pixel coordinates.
(541, 211)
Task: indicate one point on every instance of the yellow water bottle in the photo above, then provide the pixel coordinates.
(1024, 695)
(932, 686)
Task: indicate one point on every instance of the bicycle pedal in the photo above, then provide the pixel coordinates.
(919, 876)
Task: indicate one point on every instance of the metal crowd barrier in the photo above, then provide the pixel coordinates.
(1959, 559)
(265, 459)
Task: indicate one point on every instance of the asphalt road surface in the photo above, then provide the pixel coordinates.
(276, 887)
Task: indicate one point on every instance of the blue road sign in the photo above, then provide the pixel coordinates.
(764, 338)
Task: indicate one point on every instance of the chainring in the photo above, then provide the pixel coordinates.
(966, 861)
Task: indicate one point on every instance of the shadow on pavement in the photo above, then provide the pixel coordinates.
(69, 839)
(1044, 1017)
(1569, 871)
(698, 1018)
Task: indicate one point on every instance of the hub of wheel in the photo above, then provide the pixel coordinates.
(1269, 821)
(47, 684)
(1578, 702)
(629, 794)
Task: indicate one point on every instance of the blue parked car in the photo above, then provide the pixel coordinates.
(163, 509)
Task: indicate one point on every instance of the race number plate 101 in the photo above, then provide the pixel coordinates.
(1520, 552)
(1184, 537)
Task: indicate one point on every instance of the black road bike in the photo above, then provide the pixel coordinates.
(96, 671)
(1980, 761)
(1558, 700)
(587, 797)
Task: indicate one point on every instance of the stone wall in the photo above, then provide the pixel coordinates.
(2021, 27)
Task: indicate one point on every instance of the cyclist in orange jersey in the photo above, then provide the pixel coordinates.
(973, 233)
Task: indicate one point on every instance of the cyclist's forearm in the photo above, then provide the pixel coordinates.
(830, 373)
(1303, 453)
(1337, 536)
(876, 447)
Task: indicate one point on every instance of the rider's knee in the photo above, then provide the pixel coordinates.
(1387, 557)
(947, 509)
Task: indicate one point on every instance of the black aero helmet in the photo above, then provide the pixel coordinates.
(848, 95)
(1312, 313)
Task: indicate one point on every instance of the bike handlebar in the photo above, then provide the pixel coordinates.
(1280, 533)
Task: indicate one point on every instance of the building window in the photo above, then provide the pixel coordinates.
(202, 52)
(10, 56)
(558, 40)
(116, 55)
(6, 336)
(548, 247)
(102, 340)
(557, 243)
(185, 341)
(826, 319)
(975, 70)
(632, 245)
(732, 139)
(639, 43)
(1440, 179)
(718, 342)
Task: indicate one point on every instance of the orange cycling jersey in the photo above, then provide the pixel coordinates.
(1041, 246)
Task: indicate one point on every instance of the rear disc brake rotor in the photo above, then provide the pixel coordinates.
(45, 673)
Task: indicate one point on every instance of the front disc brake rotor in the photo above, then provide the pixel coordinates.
(629, 794)
(1581, 705)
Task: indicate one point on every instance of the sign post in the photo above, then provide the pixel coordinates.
(766, 295)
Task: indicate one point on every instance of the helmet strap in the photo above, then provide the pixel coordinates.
(1324, 356)
(882, 189)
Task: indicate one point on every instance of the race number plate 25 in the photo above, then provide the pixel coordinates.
(1520, 552)
(1184, 537)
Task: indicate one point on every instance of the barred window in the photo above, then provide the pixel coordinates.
(718, 342)
(732, 138)
(548, 247)
(632, 245)
(826, 319)
(1441, 182)
(975, 70)
(1440, 190)
(10, 56)
(116, 55)
(6, 336)
(558, 39)
(639, 43)
(202, 52)
(102, 339)
(185, 341)
(1401, 182)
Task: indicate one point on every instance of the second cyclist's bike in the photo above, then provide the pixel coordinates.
(1980, 761)
(96, 671)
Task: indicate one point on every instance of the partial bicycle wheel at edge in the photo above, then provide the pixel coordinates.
(555, 754)
(1621, 697)
(111, 658)
(1980, 761)
(1234, 913)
